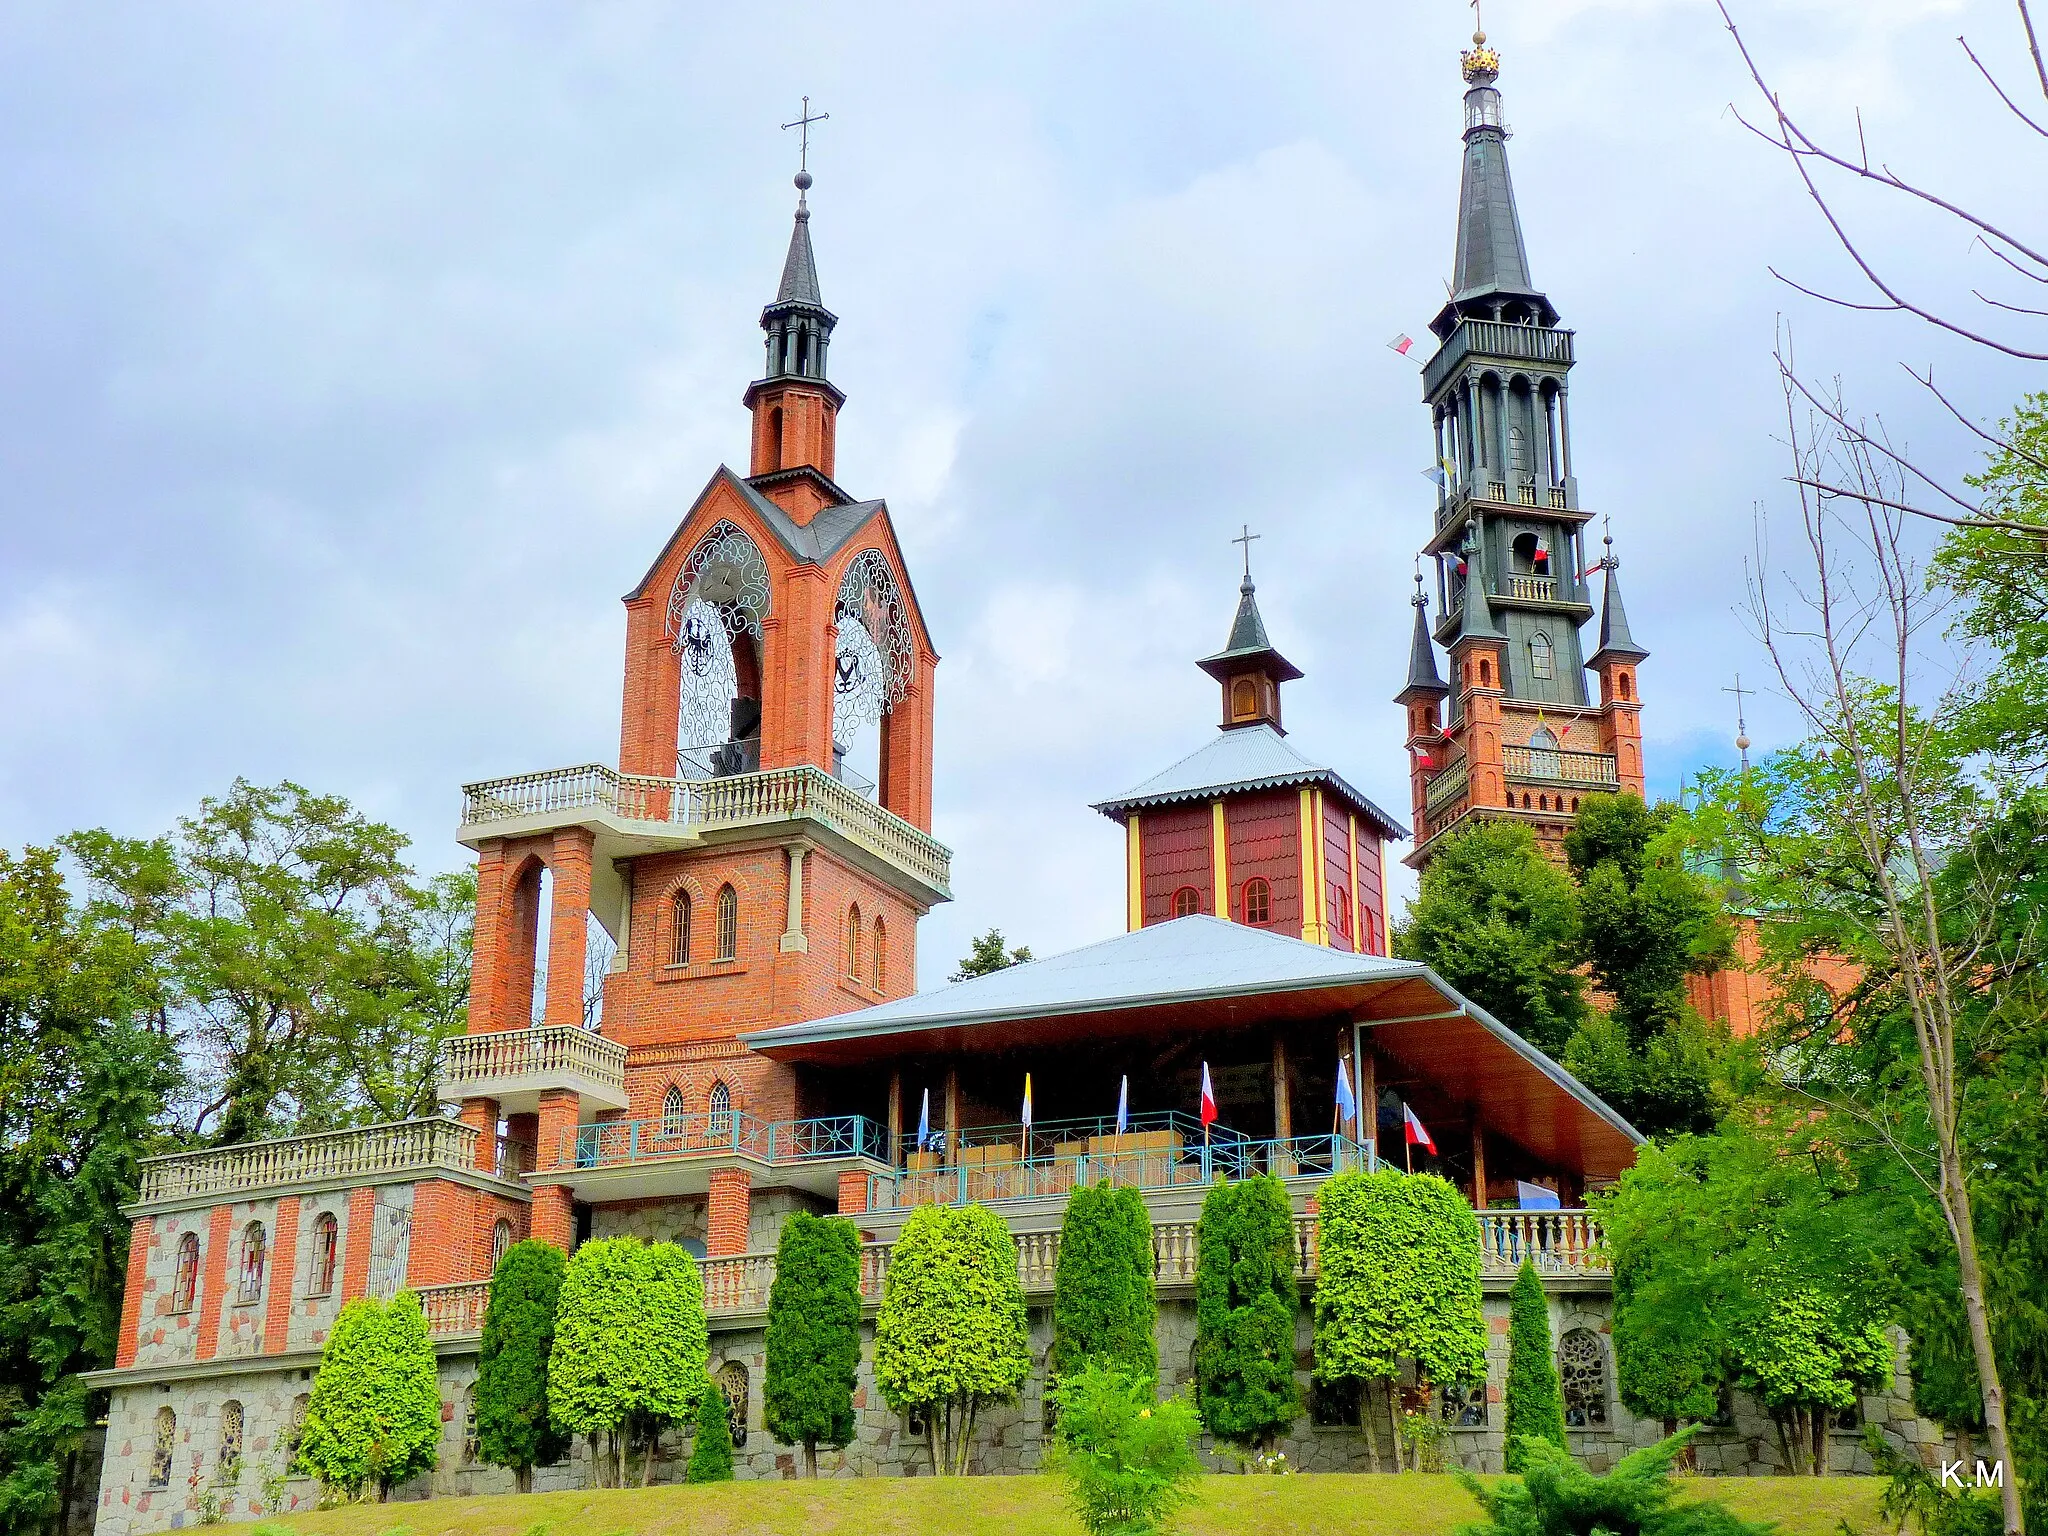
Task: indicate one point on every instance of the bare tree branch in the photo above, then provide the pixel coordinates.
(1993, 83)
(1996, 443)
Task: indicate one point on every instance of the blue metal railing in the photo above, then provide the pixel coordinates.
(1067, 1138)
(612, 1143)
(993, 1171)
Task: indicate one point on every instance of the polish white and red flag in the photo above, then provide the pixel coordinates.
(1412, 1127)
(1208, 1099)
(1401, 343)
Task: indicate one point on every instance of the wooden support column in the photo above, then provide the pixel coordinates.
(952, 1114)
(895, 1117)
(1134, 874)
(1368, 1074)
(1478, 1161)
(1283, 1109)
(1219, 859)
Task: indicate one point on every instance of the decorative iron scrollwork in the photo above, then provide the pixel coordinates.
(876, 651)
(720, 594)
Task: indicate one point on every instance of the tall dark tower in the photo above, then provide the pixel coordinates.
(1524, 737)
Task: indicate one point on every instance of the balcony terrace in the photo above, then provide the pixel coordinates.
(516, 1066)
(674, 1154)
(392, 1153)
(1554, 765)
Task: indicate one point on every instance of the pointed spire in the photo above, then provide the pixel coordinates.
(1248, 667)
(1491, 263)
(1615, 640)
(800, 267)
(1422, 673)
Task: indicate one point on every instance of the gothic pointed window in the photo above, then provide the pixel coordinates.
(879, 958)
(1187, 901)
(501, 1243)
(853, 942)
(185, 1282)
(1582, 1372)
(1258, 902)
(255, 1254)
(732, 1385)
(728, 923)
(1541, 662)
(672, 1111)
(326, 1234)
(228, 1465)
(164, 1449)
(721, 1109)
(679, 929)
(715, 612)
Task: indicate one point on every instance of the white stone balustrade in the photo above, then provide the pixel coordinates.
(1560, 766)
(515, 1066)
(454, 1311)
(372, 1153)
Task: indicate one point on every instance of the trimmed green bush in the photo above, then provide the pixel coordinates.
(1103, 1302)
(813, 1341)
(1535, 1400)
(1555, 1496)
(512, 1424)
(711, 1456)
(1129, 1460)
(1397, 1283)
(952, 1335)
(374, 1419)
(1245, 1301)
(1803, 1355)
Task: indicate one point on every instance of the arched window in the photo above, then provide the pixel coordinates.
(1244, 699)
(880, 959)
(1575, 805)
(672, 1121)
(1622, 679)
(164, 1450)
(295, 1425)
(501, 1243)
(228, 1465)
(1582, 1372)
(469, 1437)
(255, 1253)
(185, 1283)
(732, 1382)
(1340, 903)
(1258, 902)
(679, 929)
(1541, 661)
(1485, 673)
(326, 1243)
(728, 923)
(853, 941)
(1187, 901)
(775, 438)
(1518, 449)
(1543, 758)
(721, 1109)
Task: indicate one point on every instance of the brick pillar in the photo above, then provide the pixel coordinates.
(731, 1197)
(481, 1115)
(362, 1231)
(568, 923)
(553, 1221)
(441, 1248)
(213, 1277)
(559, 1109)
(525, 1130)
(140, 1237)
(853, 1192)
(284, 1259)
(489, 943)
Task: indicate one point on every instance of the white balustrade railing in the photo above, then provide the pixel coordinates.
(1541, 589)
(561, 1051)
(454, 1311)
(1449, 786)
(403, 1146)
(1560, 765)
(780, 794)
(1556, 1242)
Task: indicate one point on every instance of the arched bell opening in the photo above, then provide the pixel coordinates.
(874, 655)
(715, 614)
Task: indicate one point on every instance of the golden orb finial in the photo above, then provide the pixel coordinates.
(1481, 63)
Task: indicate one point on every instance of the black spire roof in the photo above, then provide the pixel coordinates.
(1248, 643)
(1422, 673)
(1615, 640)
(1491, 264)
(1475, 622)
(800, 267)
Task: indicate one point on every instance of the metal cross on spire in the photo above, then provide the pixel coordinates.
(804, 120)
(1741, 725)
(1478, 21)
(1246, 539)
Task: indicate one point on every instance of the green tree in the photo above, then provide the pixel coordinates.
(591, 1368)
(512, 1424)
(1397, 1284)
(671, 1350)
(711, 1453)
(1535, 1400)
(987, 955)
(813, 1339)
(1555, 1496)
(1245, 1304)
(1803, 1355)
(1500, 922)
(1665, 1366)
(1128, 1458)
(375, 1415)
(1103, 1302)
(952, 1336)
(83, 1080)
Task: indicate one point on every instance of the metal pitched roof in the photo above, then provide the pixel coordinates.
(1251, 757)
(1615, 640)
(800, 267)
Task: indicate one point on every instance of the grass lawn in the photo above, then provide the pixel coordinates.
(1345, 1504)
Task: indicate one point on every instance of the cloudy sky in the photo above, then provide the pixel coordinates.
(355, 358)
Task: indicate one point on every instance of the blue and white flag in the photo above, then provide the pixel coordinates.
(1123, 1106)
(1534, 1197)
(1347, 1101)
(924, 1122)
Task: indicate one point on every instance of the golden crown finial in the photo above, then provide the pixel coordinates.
(1481, 63)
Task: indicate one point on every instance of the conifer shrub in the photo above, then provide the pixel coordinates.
(1535, 1399)
(1555, 1496)
(1104, 1307)
(1397, 1285)
(1245, 1302)
(512, 1424)
(711, 1456)
(952, 1335)
(813, 1339)
(374, 1418)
